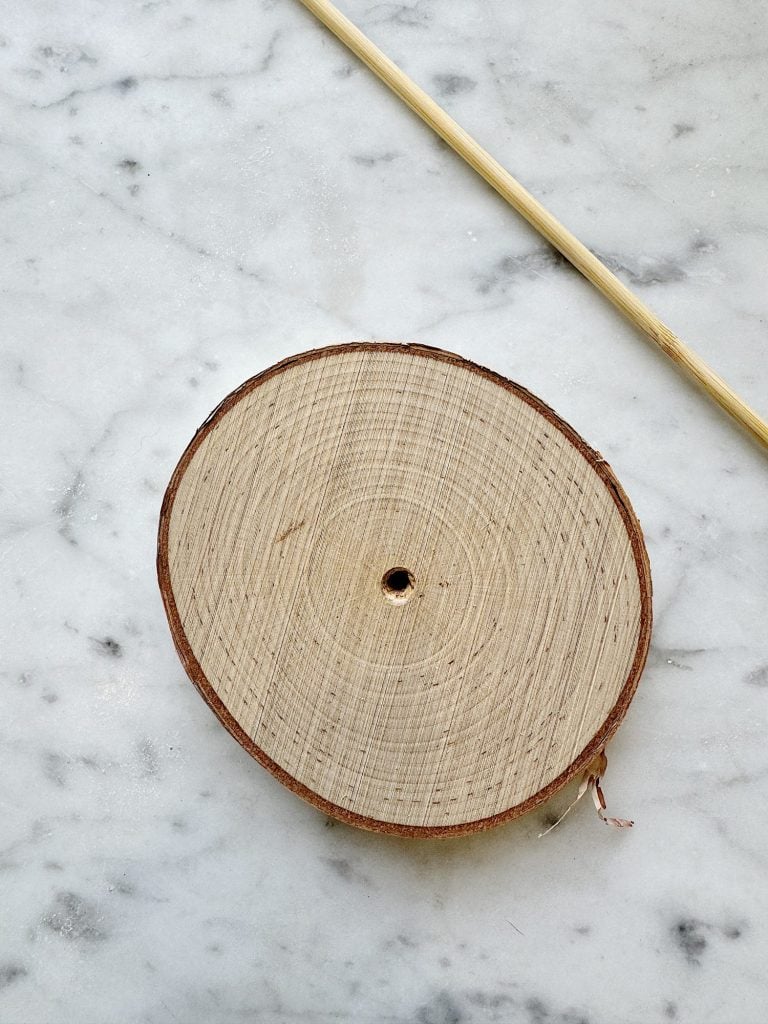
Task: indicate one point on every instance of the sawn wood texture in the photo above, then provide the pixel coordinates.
(511, 654)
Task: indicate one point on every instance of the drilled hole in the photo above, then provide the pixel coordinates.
(397, 584)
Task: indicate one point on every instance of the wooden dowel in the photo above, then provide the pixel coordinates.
(541, 219)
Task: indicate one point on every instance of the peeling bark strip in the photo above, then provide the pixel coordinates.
(591, 783)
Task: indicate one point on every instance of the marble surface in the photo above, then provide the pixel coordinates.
(191, 190)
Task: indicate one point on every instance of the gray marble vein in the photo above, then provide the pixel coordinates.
(191, 190)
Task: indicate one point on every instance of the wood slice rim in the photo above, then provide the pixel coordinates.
(198, 677)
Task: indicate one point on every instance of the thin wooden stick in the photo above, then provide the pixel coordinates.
(540, 218)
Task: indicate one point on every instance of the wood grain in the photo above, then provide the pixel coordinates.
(407, 587)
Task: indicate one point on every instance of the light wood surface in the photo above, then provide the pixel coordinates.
(405, 585)
(559, 236)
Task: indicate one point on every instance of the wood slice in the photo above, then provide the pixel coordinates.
(405, 586)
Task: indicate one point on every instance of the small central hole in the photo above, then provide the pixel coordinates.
(397, 584)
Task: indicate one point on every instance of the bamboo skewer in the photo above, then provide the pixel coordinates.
(538, 217)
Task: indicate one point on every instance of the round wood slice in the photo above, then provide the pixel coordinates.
(405, 586)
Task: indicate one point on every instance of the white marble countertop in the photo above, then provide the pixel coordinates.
(191, 190)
